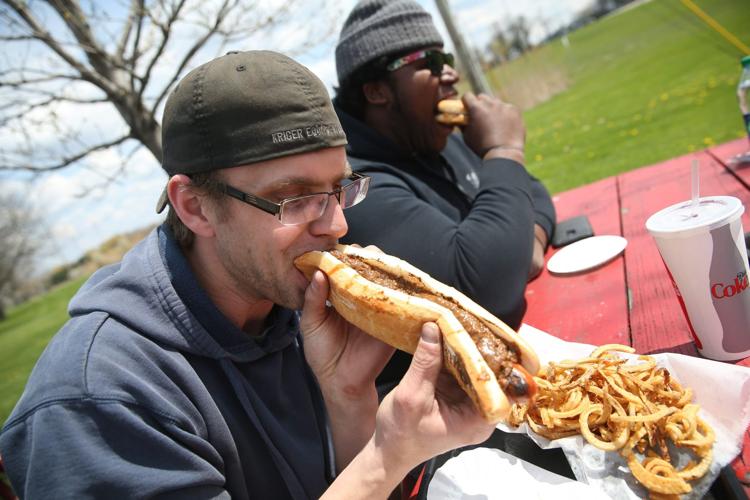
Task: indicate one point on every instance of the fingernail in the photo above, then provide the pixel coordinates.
(315, 281)
(431, 333)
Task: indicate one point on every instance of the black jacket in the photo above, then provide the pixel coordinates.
(467, 222)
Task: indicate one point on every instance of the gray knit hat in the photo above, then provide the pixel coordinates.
(376, 28)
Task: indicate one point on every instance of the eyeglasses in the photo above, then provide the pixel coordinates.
(306, 208)
(435, 60)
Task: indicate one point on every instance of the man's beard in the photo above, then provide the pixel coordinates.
(256, 283)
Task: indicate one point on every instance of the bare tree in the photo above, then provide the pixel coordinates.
(499, 46)
(123, 55)
(519, 31)
(509, 41)
(21, 240)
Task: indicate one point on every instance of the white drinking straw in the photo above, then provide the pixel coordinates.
(695, 177)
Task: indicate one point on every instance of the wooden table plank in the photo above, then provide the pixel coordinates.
(741, 464)
(589, 307)
(725, 152)
(656, 320)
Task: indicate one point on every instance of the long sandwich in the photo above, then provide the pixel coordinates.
(390, 299)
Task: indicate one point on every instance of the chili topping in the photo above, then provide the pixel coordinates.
(500, 358)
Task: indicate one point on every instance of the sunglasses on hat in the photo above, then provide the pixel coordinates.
(435, 60)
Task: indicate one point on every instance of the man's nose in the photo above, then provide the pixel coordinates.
(449, 76)
(332, 222)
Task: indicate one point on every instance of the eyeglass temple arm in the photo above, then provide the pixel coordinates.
(266, 206)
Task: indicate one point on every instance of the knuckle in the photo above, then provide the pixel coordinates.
(404, 400)
(422, 360)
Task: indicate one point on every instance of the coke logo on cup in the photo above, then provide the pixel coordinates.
(721, 291)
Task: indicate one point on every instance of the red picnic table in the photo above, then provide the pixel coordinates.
(630, 300)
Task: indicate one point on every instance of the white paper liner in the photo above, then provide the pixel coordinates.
(487, 474)
(721, 389)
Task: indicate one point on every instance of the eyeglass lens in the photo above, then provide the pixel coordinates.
(309, 208)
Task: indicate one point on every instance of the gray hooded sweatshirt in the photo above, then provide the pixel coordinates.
(150, 391)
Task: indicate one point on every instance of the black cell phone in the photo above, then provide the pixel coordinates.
(571, 230)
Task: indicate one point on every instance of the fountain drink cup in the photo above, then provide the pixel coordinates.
(703, 249)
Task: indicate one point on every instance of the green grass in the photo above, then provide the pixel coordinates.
(642, 86)
(24, 334)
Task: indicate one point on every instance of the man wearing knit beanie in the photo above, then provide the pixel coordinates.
(460, 206)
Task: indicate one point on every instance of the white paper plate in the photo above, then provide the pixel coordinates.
(587, 253)
(489, 474)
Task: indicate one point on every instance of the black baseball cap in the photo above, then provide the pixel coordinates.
(243, 108)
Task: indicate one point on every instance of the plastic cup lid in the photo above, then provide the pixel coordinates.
(679, 220)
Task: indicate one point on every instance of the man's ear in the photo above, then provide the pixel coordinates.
(377, 93)
(189, 205)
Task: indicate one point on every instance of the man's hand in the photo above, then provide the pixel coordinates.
(346, 362)
(428, 413)
(341, 355)
(425, 415)
(496, 128)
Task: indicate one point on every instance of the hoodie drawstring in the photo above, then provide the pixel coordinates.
(291, 480)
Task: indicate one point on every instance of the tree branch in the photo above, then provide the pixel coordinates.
(165, 31)
(17, 38)
(127, 29)
(136, 53)
(70, 12)
(68, 160)
(212, 30)
(26, 82)
(39, 33)
(29, 107)
(110, 178)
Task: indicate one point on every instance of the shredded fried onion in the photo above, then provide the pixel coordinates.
(631, 409)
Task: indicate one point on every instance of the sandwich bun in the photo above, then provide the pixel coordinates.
(396, 317)
(452, 112)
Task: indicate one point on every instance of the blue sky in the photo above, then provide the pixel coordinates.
(81, 213)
